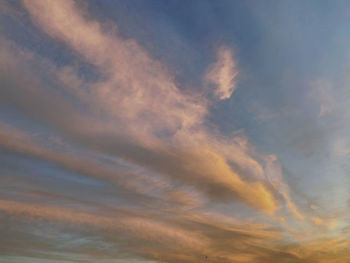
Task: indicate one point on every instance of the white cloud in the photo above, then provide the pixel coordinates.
(223, 74)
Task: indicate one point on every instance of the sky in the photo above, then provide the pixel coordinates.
(174, 131)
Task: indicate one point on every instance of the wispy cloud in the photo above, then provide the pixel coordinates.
(223, 74)
(138, 160)
(162, 123)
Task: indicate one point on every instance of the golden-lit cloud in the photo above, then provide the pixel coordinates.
(317, 221)
(139, 93)
(132, 157)
(188, 237)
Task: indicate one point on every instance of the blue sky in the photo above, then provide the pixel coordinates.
(174, 131)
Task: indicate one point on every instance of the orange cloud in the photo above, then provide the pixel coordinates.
(317, 221)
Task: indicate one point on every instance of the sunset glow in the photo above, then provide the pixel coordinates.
(153, 131)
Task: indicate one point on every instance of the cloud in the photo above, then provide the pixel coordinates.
(223, 74)
(317, 221)
(136, 87)
(163, 129)
(132, 228)
(187, 237)
(177, 182)
(183, 238)
(136, 182)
